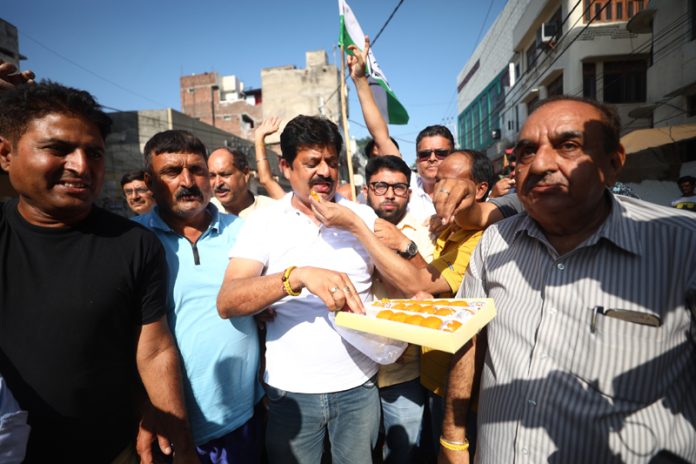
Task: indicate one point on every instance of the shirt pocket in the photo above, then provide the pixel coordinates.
(622, 359)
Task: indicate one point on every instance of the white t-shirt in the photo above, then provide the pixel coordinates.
(304, 354)
(421, 205)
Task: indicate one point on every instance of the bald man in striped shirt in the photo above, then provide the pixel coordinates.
(591, 358)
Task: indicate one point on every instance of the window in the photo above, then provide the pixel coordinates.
(532, 104)
(227, 117)
(612, 10)
(625, 81)
(589, 80)
(555, 87)
(531, 57)
(691, 105)
(692, 16)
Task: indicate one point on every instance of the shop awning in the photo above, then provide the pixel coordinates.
(642, 139)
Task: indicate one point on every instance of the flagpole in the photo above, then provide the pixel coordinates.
(344, 116)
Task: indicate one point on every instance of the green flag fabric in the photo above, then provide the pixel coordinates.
(351, 34)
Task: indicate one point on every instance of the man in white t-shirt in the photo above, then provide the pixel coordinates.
(318, 385)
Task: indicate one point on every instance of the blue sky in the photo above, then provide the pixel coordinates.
(139, 49)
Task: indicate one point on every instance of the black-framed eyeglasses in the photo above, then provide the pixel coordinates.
(440, 153)
(139, 190)
(380, 188)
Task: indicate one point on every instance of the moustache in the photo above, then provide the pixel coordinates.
(221, 189)
(533, 180)
(321, 180)
(189, 192)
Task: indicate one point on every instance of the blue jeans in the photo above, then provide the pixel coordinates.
(298, 423)
(402, 415)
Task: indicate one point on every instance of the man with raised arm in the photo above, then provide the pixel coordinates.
(433, 143)
(442, 276)
(318, 385)
(82, 293)
(263, 167)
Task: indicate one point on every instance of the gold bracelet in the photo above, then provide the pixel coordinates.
(454, 445)
(286, 282)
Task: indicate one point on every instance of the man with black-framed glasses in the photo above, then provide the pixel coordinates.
(401, 395)
(137, 194)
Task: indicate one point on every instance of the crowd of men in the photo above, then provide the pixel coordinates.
(201, 329)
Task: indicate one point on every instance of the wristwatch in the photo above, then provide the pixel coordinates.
(410, 251)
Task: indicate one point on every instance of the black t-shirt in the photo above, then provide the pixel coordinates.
(71, 305)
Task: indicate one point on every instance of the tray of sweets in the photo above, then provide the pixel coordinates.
(440, 323)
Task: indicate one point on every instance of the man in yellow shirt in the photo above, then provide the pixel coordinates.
(442, 277)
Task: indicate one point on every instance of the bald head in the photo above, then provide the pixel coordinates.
(229, 178)
(468, 165)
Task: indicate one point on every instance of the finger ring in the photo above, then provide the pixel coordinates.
(446, 192)
(333, 290)
(347, 289)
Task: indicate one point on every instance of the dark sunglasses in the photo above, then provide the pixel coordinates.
(381, 188)
(439, 153)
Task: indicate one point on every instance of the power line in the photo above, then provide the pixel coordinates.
(387, 22)
(476, 42)
(372, 43)
(90, 71)
(522, 88)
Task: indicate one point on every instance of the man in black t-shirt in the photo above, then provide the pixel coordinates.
(82, 292)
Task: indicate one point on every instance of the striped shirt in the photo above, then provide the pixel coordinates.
(559, 385)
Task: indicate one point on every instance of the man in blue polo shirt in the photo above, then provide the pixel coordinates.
(220, 358)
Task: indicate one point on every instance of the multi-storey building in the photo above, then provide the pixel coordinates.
(222, 102)
(553, 47)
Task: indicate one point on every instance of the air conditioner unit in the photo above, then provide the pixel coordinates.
(549, 31)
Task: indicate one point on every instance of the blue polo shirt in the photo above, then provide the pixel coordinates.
(220, 357)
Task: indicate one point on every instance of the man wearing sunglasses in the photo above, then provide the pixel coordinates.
(433, 144)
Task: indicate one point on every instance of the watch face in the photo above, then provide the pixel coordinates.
(412, 249)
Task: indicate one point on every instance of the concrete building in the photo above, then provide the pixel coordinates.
(483, 83)
(289, 91)
(573, 47)
(222, 102)
(132, 129)
(9, 52)
(671, 99)
(9, 44)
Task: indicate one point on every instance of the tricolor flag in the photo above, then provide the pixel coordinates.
(352, 34)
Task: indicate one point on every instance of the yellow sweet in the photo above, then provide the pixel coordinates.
(451, 326)
(415, 319)
(432, 322)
